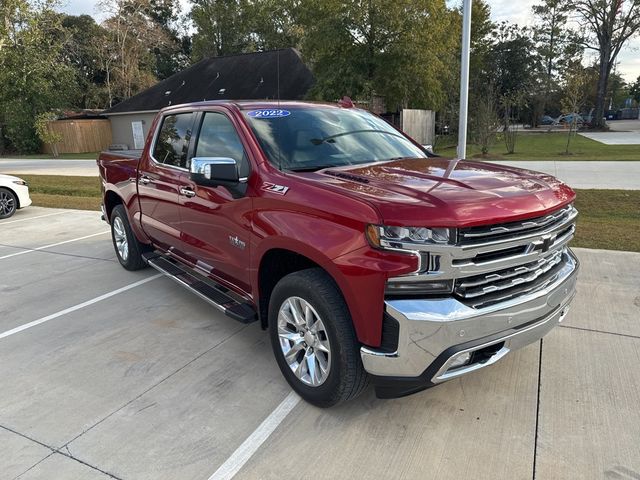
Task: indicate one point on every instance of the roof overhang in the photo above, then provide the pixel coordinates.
(138, 112)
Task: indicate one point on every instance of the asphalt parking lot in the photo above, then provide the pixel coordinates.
(106, 373)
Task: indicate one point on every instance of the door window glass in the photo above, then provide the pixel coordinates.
(172, 144)
(218, 138)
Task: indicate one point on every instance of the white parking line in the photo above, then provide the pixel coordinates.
(26, 326)
(52, 245)
(33, 218)
(245, 451)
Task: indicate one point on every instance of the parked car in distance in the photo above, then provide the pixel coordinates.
(366, 257)
(14, 194)
(571, 118)
(548, 120)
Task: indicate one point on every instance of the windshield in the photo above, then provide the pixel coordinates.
(307, 139)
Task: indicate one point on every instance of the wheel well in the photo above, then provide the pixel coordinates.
(111, 199)
(14, 194)
(274, 265)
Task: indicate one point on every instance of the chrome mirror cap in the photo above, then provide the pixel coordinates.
(202, 165)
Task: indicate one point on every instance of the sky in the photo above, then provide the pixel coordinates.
(516, 11)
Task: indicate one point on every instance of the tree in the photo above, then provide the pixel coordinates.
(556, 43)
(609, 23)
(48, 135)
(511, 104)
(482, 34)
(223, 27)
(127, 53)
(512, 62)
(83, 36)
(398, 49)
(172, 55)
(634, 90)
(484, 119)
(33, 75)
(576, 86)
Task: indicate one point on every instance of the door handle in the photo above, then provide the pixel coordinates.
(187, 192)
(145, 180)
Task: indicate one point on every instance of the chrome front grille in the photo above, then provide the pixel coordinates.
(503, 284)
(512, 259)
(473, 235)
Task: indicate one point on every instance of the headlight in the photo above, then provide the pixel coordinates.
(381, 236)
(20, 182)
(416, 241)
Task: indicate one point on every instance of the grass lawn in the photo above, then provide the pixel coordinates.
(609, 219)
(64, 156)
(57, 191)
(550, 146)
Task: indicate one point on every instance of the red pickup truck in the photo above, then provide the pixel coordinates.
(366, 257)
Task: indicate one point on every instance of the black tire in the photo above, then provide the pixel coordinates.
(8, 203)
(132, 260)
(346, 376)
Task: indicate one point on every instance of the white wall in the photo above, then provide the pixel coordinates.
(121, 126)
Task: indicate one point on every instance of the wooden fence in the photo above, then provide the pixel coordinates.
(419, 125)
(81, 135)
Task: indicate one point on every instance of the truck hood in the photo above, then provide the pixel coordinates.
(442, 192)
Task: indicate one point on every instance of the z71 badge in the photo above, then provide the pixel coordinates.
(272, 187)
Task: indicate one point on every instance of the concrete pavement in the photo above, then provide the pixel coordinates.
(592, 174)
(153, 383)
(76, 168)
(621, 132)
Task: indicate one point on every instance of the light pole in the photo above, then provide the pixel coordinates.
(464, 79)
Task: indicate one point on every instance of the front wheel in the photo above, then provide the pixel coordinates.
(313, 339)
(8, 203)
(128, 248)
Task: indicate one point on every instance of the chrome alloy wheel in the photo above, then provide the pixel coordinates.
(304, 341)
(120, 238)
(7, 203)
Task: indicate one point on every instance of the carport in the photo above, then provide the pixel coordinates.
(112, 374)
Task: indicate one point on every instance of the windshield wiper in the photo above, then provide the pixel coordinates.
(313, 168)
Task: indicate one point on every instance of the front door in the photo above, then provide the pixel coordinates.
(216, 226)
(159, 179)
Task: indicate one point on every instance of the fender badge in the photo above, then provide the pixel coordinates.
(272, 187)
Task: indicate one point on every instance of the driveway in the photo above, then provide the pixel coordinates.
(610, 175)
(109, 374)
(622, 132)
(588, 174)
(81, 168)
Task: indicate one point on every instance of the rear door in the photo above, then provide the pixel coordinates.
(159, 179)
(216, 225)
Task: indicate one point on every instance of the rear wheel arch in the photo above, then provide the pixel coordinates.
(111, 199)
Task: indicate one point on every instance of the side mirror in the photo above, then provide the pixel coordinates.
(214, 171)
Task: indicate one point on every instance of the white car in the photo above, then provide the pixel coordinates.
(14, 194)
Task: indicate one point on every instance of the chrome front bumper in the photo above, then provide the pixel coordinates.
(432, 333)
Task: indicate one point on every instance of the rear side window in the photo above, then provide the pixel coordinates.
(172, 145)
(218, 138)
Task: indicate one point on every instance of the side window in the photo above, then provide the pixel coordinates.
(218, 138)
(172, 144)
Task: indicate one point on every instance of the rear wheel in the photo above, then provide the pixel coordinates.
(128, 248)
(8, 203)
(313, 339)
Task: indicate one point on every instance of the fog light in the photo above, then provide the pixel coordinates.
(460, 361)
